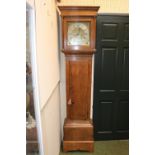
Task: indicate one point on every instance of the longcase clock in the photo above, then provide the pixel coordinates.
(78, 42)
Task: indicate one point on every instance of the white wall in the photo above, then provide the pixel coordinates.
(47, 47)
(63, 91)
(51, 124)
(48, 74)
(106, 6)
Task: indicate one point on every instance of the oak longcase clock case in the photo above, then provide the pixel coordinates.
(78, 45)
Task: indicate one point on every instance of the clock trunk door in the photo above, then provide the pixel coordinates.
(78, 87)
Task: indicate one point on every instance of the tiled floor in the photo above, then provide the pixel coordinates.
(115, 147)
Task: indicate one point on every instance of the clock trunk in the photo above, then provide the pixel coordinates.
(79, 34)
(78, 75)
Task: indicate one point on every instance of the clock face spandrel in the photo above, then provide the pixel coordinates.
(78, 33)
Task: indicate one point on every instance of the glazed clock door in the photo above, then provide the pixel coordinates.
(78, 34)
(78, 87)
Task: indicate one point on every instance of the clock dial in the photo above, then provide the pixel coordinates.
(78, 33)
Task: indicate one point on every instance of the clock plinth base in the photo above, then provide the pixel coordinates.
(78, 146)
(78, 135)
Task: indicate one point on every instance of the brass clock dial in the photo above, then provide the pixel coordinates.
(78, 33)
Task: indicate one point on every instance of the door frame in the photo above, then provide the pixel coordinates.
(30, 8)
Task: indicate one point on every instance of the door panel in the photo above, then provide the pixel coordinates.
(123, 115)
(111, 78)
(125, 70)
(108, 68)
(106, 116)
(110, 31)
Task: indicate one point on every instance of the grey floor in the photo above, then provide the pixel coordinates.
(32, 154)
(114, 147)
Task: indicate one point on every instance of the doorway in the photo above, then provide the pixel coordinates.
(34, 144)
(111, 78)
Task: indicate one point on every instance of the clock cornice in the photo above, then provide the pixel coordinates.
(78, 10)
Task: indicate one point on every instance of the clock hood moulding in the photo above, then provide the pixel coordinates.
(78, 10)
